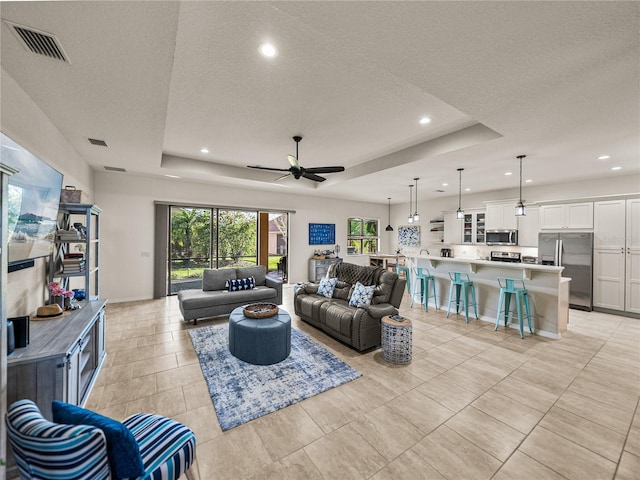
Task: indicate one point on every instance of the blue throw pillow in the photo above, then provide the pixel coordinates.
(122, 448)
(361, 295)
(326, 287)
(235, 285)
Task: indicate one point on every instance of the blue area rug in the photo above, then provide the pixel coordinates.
(241, 391)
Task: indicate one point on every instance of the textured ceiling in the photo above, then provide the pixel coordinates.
(557, 81)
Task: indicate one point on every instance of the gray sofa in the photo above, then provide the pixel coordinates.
(214, 299)
(360, 326)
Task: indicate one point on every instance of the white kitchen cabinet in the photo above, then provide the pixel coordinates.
(528, 228)
(616, 280)
(501, 216)
(473, 227)
(569, 215)
(452, 229)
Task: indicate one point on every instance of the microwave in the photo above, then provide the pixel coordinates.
(502, 237)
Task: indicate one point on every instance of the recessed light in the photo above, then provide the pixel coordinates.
(528, 180)
(445, 184)
(467, 189)
(204, 150)
(508, 173)
(268, 50)
(171, 176)
(425, 120)
(604, 157)
(616, 168)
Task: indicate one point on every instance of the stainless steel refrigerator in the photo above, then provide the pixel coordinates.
(574, 252)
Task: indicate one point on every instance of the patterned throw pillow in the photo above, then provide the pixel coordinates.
(361, 295)
(235, 285)
(326, 286)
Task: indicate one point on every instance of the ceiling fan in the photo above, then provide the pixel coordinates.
(297, 171)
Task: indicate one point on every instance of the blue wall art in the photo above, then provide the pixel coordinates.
(409, 236)
(322, 233)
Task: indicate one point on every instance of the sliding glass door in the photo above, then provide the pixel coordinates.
(202, 238)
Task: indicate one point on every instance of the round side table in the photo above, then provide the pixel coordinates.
(396, 340)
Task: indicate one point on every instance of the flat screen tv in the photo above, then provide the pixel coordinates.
(33, 200)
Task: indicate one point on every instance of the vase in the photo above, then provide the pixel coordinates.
(59, 299)
(67, 303)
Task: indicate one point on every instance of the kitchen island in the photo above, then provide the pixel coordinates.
(548, 289)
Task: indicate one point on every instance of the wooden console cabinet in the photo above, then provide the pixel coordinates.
(61, 362)
(318, 268)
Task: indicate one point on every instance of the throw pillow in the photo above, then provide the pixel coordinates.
(122, 448)
(326, 287)
(361, 295)
(235, 285)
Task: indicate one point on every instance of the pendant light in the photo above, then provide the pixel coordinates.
(416, 216)
(410, 218)
(389, 227)
(521, 211)
(460, 212)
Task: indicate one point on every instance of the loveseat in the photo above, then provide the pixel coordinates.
(215, 297)
(358, 326)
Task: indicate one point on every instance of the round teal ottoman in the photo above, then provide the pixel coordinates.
(263, 341)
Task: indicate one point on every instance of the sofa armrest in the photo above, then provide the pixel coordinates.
(277, 284)
(380, 310)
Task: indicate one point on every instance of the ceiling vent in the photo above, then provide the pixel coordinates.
(41, 43)
(96, 142)
(439, 191)
(115, 169)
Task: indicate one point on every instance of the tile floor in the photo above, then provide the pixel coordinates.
(473, 404)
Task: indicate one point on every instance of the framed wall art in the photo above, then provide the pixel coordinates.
(409, 236)
(322, 233)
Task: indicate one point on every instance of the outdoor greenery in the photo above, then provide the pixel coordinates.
(363, 235)
(210, 238)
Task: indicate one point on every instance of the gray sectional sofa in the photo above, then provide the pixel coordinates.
(359, 326)
(214, 299)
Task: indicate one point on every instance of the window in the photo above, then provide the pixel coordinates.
(362, 236)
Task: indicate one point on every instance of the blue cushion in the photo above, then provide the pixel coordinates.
(235, 285)
(122, 448)
(326, 287)
(361, 295)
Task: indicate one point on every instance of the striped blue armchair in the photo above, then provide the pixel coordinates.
(46, 450)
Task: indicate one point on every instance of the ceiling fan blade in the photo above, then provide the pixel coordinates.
(313, 176)
(324, 169)
(282, 176)
(293, 161)
(267, 168)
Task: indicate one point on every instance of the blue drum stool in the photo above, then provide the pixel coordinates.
(508, 287)
(260, 341)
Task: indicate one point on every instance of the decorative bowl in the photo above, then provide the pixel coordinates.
(260, 310)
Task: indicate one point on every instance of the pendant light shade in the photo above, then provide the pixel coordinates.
(389, 227)
(416, 215)
(460, 212)
(410, 218)
(521, 211)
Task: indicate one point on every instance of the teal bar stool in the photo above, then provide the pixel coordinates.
(424, 279)
(461, 281)
(508, 287)
(405, 270)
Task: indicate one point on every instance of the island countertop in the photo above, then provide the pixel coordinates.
(548, 290)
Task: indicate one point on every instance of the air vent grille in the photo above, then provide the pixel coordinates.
(439, 191)
(115, 169)
(40, 43)
(96, 142)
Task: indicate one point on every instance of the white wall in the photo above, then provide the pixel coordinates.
(23, 121)
(127, 231)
